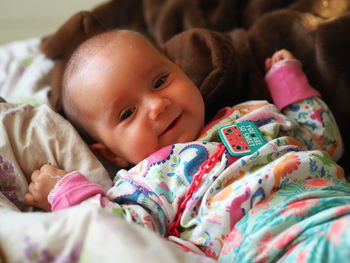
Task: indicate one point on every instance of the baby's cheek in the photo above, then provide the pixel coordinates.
(140, 152)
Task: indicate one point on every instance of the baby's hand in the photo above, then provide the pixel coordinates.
(276, 57)
(43, 181)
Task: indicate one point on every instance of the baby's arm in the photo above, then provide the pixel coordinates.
(75, 189)
(286, 80)
(293, 95)
(53, 189)
(51, 181)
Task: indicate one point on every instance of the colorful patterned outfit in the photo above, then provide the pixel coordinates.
(278, 202)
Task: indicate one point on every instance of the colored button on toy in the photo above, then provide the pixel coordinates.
(241, 138)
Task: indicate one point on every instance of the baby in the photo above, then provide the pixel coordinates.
(252, 173)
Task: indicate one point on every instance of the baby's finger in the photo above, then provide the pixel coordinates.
(268, 64)
(48, 168)
(278, 56)
(52, 171)
(31, 188)
(35, 175)
(29, 199)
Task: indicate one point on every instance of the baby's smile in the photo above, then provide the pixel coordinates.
(171, 126)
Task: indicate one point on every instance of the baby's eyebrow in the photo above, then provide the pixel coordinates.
(155, 68)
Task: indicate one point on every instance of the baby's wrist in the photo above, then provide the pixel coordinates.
(288, 84)
(71, 190)
(59, 184)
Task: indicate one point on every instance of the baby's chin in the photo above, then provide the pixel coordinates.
(188, 138)
(184, 138)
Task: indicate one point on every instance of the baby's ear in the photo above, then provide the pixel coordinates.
(102, 151)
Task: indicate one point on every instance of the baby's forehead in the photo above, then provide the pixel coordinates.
(107, 52)
(99, 43)
(118, 39)
(106, 47)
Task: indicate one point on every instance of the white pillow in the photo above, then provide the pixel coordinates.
(25, 72)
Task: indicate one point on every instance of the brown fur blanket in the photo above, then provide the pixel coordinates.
(223, 44)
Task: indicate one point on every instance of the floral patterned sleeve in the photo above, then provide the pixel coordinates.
(316, 126)
(293, 95)
(75, 188)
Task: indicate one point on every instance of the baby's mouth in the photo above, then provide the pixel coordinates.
(171, 125)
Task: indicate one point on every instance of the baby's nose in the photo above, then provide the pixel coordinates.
(156, 106)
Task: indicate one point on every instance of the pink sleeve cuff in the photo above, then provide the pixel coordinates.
(71, 190)
(288, 84)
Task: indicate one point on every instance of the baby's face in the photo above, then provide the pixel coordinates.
(138, 101)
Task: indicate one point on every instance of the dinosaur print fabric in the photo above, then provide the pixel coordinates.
(238, 193)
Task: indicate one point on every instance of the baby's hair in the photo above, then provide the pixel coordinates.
(76, 61)
(72, 112)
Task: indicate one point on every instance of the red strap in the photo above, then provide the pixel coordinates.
(173, 229)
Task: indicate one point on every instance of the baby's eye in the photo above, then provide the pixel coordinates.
(126, 114)
(160, 82)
